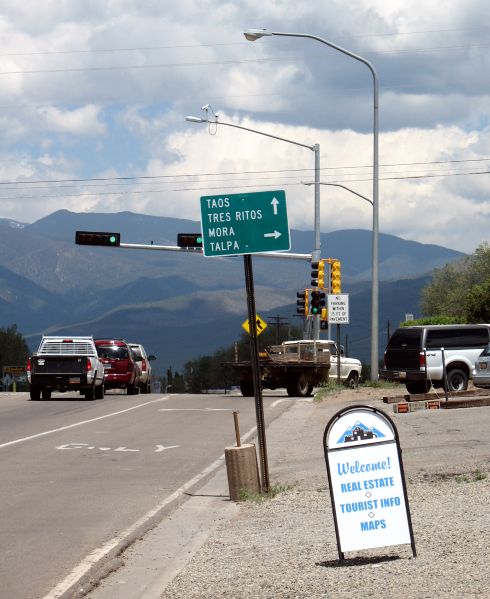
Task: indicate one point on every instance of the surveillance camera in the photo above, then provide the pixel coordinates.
(205, 107)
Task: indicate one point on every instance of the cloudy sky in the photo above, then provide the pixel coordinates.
(95, 95)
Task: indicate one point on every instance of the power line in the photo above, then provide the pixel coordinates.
(223, 173)
(231, 187)
(150, 66)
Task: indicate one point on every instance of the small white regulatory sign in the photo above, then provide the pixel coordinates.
(338, 308)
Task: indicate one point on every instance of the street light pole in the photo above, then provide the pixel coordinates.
(254, 34)
(316, 254)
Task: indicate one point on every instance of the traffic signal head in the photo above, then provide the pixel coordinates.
(302, 302)
(318, 274)
(317, 302)
(335, 279)
(97, 238)
(189, 240)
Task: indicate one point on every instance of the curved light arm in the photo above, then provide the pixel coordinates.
(343, 187)
(196, 119)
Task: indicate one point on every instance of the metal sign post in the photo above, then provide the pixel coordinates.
(245, 224)
(254, 355)
(366, 481)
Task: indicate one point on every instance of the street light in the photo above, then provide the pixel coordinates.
(255, 34)
(316, 254)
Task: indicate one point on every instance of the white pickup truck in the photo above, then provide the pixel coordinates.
(350, 368)
(66, 364)
(299, 366)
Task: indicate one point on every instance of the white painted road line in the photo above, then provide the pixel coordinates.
(195, 410)
(75, 424)
(84, 567)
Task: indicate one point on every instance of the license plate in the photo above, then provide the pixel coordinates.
(107, 366)
(74, 380)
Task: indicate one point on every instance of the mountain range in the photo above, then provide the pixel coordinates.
(181, 305)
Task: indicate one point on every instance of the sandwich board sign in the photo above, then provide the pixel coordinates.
(366, 480)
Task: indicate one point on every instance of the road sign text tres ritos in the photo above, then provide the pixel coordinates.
(246, 223)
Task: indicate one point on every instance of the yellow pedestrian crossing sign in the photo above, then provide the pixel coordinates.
(260, 325)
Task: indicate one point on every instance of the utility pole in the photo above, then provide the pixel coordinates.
(278, 321)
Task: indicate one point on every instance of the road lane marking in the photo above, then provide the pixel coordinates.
(92, 558)
(75, 424)
(195, 410)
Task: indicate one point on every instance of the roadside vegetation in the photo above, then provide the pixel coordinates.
(459, 292)
(261, 496)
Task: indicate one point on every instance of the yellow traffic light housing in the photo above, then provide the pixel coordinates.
(302, 302)
(335, 277)
(318, 274)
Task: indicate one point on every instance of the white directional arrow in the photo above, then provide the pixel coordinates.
(274, 203)
(276, 234)
(161, 448)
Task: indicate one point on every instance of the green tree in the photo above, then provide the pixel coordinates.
(460, 290)
(13, 347)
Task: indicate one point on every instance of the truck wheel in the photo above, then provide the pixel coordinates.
(132, 390)
(90, 393)
(457, 380)
(299, 386)
(416, 387)
(247, 388)
(99, 392)
(352, 380)
(35, 393)
(46, 393)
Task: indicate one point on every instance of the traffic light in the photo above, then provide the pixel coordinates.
(189, 240)
(318, 274)
(335, 280)
(302, 302)
(317, 302)
(97, 238)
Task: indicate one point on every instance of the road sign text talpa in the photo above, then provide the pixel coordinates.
(249, 223)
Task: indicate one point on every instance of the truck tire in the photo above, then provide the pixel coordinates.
(299, 386)
(352, 380)
(457, 380)
(247, 388)
(416, 387)
(35, 393)
(99, 392)
(89, 393)
(46, 393)
(132, 389)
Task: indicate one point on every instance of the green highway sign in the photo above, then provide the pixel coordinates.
(244, 223)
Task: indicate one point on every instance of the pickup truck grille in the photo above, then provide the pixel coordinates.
(71, 348)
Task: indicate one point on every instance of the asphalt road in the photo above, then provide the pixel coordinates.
(78, 475)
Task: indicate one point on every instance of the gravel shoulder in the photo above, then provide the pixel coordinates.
(285, 547)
